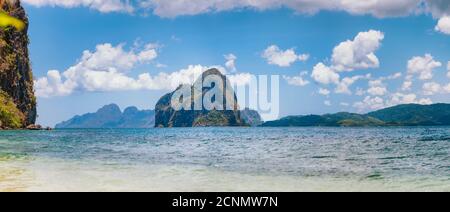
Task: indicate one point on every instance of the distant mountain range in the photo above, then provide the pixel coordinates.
(401, 115)
(110, 116)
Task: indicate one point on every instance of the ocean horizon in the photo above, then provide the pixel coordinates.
(227, 159)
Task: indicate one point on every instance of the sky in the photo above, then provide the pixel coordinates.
(331, 55)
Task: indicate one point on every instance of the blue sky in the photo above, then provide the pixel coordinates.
(154, 44)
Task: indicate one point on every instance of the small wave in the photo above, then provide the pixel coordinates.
(435, 139)
(322, 157)
(393, 158)
(375, 177)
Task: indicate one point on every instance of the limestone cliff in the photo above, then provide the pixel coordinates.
(16, 79)
(166, 116)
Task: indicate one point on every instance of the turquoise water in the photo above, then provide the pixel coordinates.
(227, 159)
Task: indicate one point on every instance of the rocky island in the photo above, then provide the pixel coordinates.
(166, 116)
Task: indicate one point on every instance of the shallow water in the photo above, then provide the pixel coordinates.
(227, 159)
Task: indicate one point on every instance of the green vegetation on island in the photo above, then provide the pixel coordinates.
(10, 116)
(401, 115)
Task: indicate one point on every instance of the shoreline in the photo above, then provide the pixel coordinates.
(70, 176)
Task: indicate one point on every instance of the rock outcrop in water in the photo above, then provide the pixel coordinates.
(166, 116)
(251, 117)
(110, 116)
(17, 100)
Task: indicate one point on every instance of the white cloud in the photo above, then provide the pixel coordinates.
(431, 88)
(377, 91)
(444, 25)
(343, 87)
(358, 53)
(323, 91)
(376, 103)
(393, 76)
(283, 58)
(52, 85)
(161, 65)
(107, 68)
(230, 62)
(401, 98)
(344, 104)
(327, 103)
(370, 103)
(104, 69)
(348, 56)
(324, 74)
(423, 66)
(377, 88)
(446, 88)
(406, 86)
(104, 6)
(378, 8)
(175, 8)
(297, 80)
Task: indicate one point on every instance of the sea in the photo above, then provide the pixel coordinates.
(227, 159)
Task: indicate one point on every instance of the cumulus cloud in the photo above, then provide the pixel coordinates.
(446, 88)
(175, 8)
(443, 25)
(105, 6)
(423, 66)
(230, 62)
(401, 98)
(379, 8)
(392, 76)
(324, 74)
(283, 58)
(108, 67)
(406, 86)
(377, 88)
(297, 80)
(103, 69)
(376, 103)
(348, 56)
(323, 91)
(431, 88)
(358, 53)
(343, 87)
(370, 103)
